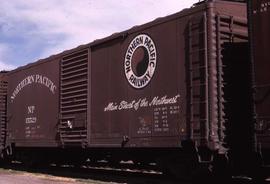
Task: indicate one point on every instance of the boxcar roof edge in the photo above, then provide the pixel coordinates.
(197, 7)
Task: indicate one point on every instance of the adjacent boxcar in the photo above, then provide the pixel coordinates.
(33, 104)
(149, 92)
(260, 39)
(3, 109)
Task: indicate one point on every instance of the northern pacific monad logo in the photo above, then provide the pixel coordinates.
(140, 61)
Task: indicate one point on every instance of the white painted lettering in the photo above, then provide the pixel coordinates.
(142, 103)
(33, 79)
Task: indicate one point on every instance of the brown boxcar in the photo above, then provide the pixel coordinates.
(260, 39)
(152, 88)
(160, 83)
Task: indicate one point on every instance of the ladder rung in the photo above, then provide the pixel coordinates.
(197, 85)
(196, 78)
(198, 102)
(197, 50)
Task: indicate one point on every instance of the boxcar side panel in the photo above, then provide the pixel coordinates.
(132, 105)
(106, 83)
(33, 105)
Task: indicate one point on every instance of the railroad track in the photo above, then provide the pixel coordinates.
(124, 173)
